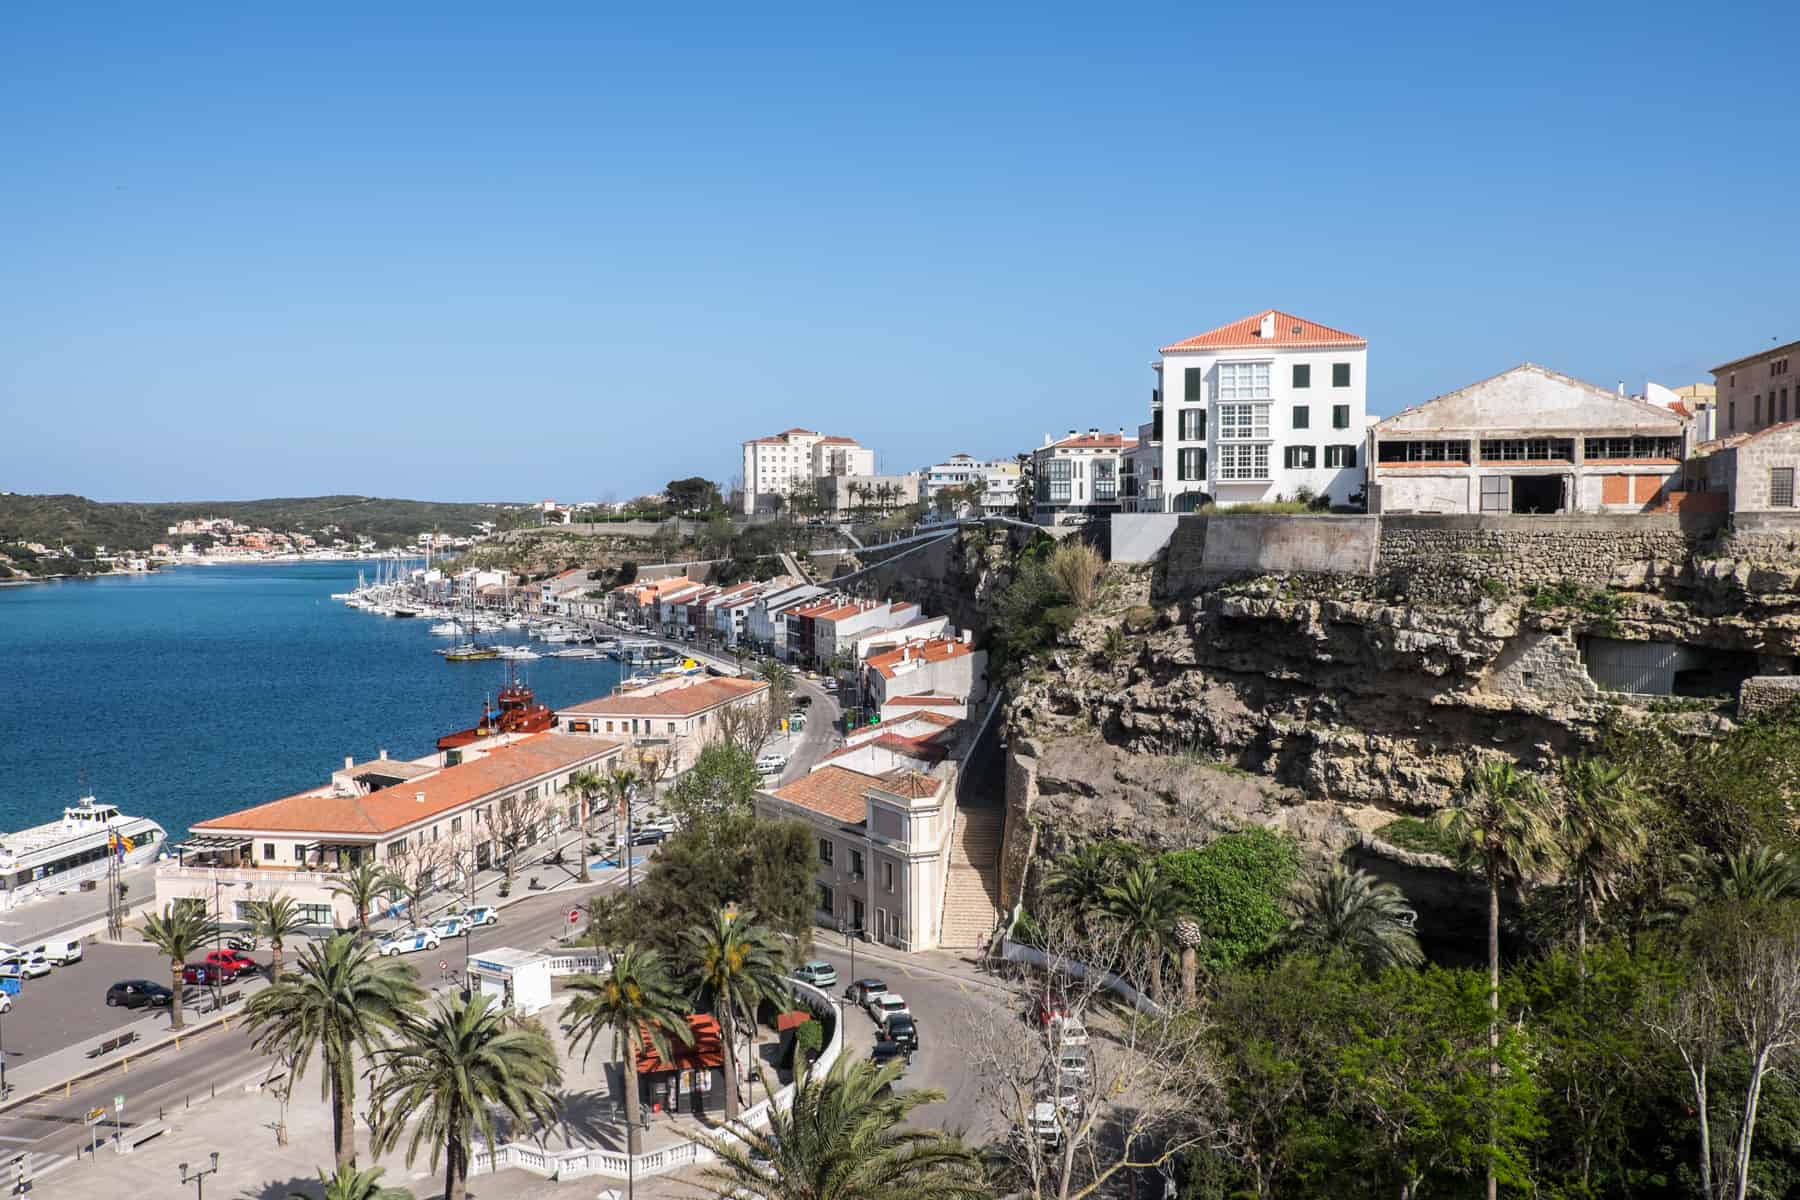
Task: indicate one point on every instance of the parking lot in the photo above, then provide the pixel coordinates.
(69, 1004)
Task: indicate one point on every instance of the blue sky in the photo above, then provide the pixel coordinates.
(483, 251)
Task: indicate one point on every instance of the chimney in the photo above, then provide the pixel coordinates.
(349, 761)
(1047, 439)
(418, 797)
(384, 754)
(1266, 327)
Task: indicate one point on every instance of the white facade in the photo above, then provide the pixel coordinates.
(1080, 477)
(1270, 407)
(998, 480)
(767, 623)
(790, 463)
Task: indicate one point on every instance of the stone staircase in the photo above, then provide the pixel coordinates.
(972, 897)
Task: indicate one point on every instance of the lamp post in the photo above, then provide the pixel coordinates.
(198, 1178)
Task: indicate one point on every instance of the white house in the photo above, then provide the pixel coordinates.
(793, 461)
(1269, 407)
(996, 479)
(1079, 477)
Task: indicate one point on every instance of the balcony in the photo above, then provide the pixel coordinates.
(1153, 489)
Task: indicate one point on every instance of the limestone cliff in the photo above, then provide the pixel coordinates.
(1329, 704)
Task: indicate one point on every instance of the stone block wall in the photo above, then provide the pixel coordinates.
(1541, 666)
(1763, 693)
(1444, 558)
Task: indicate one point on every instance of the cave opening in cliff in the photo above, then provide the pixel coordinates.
(1715, 673)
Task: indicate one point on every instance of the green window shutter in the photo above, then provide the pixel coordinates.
(1302, 375)
(1191, 385)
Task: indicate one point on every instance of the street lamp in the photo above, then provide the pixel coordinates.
(851, 933)
(198, 1178)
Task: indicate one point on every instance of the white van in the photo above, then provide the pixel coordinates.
(61, 951)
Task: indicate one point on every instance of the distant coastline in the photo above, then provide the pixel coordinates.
(279, 560)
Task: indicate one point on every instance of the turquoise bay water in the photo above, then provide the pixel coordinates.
(199, 690)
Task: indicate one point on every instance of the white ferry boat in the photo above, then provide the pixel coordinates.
(51, 858)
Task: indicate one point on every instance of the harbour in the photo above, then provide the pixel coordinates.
(182, 693)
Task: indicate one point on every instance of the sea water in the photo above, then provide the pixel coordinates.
(196, 691)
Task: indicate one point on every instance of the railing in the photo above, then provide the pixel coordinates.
(574, 1164)
(580, 964)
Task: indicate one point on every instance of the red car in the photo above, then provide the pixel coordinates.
(230, 964)
(1049, 1006)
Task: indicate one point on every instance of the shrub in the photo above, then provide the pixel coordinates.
(1420, 837)
(1236, 888)
(1078, 567)
(1139, 618)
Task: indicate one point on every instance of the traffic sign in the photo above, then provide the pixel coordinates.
(96, 1115)
(574, 915)
(443, 964)
(118, 1104)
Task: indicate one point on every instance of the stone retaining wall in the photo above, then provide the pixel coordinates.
(1763, 693)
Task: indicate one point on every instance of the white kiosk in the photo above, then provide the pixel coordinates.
(516, 979)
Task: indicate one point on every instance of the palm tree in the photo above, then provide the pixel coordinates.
(737, 964)
(1079, 880)
(587, 785)
(341, 999)
(846, 1137)
(1600, 830)
(1501, 828)
(1753, 875)
(277, 920)
(352, 1184)
(618, 785)
(1144, 908)
(1188, 936)
(1353, 912)
(639, 1003)
(362, 885)
(449, 1071)
(777, 675)
(183, 929)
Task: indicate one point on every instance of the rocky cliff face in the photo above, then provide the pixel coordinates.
(1337, 704)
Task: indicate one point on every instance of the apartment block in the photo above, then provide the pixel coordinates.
(793, 462)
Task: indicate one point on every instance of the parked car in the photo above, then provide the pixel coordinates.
(198, 974)
(25, 966)
(5, 1002)
(829, 685)
(452, 926)
(1067, 1031)
(482, 914)
(1049, 1006)
(1072, 1063)
(649, 837)
(768, 764)
(61, 951)
(407, 941)
(1043, 1124)
(230, 964)
(138, 993)
(860, 991)
(817, 972)
(903, 1028)
(885, 1005)
(885, 1052)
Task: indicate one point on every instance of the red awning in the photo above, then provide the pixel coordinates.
(708, 1049)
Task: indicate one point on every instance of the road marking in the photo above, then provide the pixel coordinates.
(25, 1141)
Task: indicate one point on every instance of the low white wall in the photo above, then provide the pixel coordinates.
(1140, 537)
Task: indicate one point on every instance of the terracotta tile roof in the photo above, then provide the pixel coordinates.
(396, 807)
(910, 784)
(934, 650)
(842, 611)
(837, 441)
(927, 698)
(1290, 331)
(686, 701)
(1782, 426)
(1093, 441)
(835, 792)
(912, 747)
(817, 608)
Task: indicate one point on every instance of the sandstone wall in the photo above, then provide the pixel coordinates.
(1440, 558)
(1765, 693)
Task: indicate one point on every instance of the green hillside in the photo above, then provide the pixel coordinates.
(76, 520)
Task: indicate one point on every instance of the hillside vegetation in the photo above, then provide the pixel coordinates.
(76, 520)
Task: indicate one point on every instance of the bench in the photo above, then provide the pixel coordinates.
(133, 1136)
(112, 1043)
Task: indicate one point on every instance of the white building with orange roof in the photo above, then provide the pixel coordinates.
(1080, 477)
(946, 675)
(1269, 407)
(678, 717)
(791, 462)
(384, 810)
(881, 818)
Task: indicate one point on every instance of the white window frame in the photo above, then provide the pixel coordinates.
(1242, 422)
(1243, 461)
(1243, 381)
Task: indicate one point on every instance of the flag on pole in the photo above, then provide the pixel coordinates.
(119, 844)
